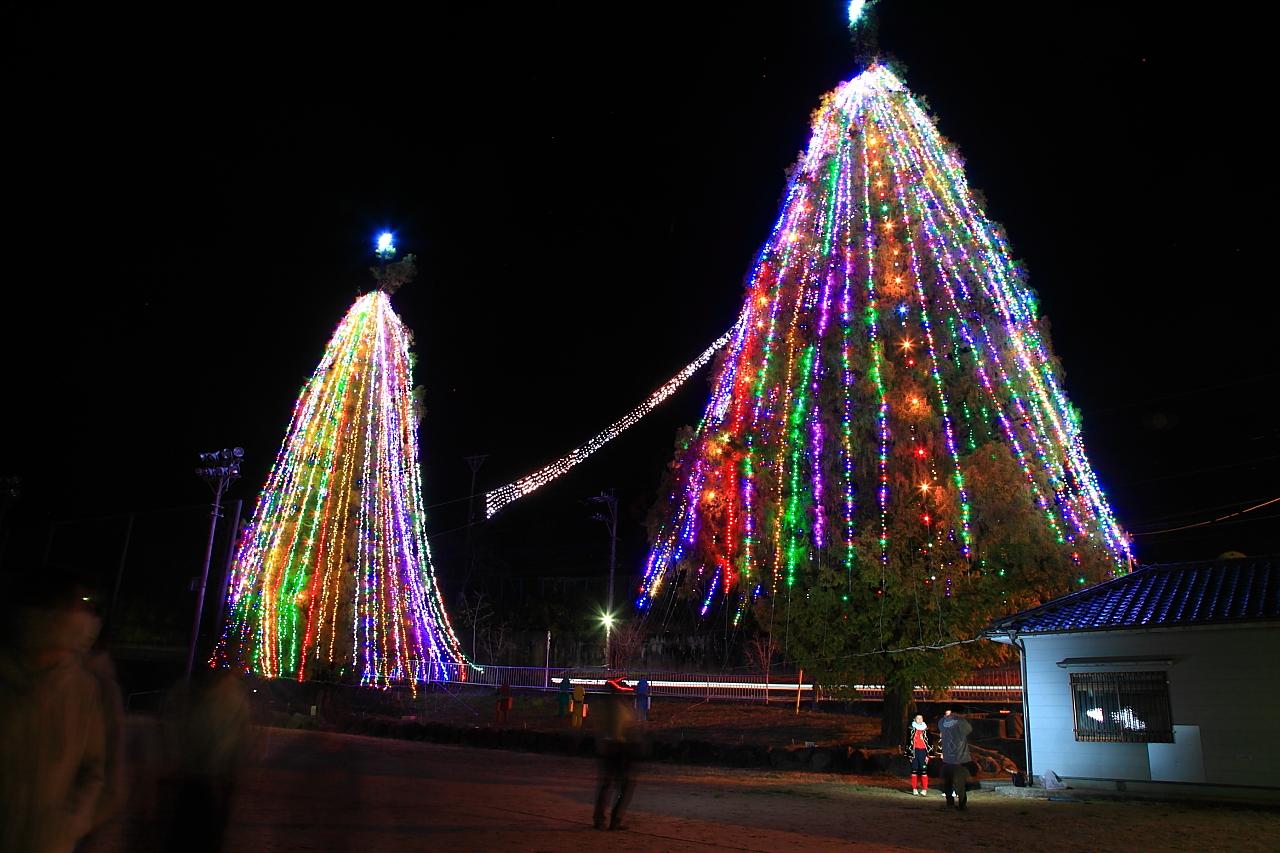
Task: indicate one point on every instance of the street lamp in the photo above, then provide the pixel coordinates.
(219, 469)
(609, 515)
(606, 619)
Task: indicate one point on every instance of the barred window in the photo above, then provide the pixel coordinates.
(1122, 707)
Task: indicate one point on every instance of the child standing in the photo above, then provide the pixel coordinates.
(579, 707)
(919, 756)
(564, 698)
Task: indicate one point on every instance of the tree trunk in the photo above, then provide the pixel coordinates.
(897, 703)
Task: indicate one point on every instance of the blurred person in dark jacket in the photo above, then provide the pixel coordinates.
(209, 730)
(618, 746)
(115, 788)
(53, 740)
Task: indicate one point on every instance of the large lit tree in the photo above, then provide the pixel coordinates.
(888, 456)
(334, 578)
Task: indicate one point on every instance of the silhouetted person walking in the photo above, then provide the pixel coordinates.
(955, 730)
(210, 734)
(618, 748)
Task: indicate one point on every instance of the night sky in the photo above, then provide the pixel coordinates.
(192, 198)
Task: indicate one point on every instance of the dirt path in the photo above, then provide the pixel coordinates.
(326, 792)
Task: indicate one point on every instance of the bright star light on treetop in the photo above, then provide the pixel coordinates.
(856, 8)
(386, 246)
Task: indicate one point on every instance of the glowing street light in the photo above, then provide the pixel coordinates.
(606, 619)
(609, 515)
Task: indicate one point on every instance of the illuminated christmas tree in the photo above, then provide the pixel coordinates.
(334, 579)
(887, 454)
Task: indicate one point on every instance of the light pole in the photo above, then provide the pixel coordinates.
(219, 470)
(606, 619)
(609, 516)
(474, 463)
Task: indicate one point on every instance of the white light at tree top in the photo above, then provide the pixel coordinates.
(856, 9)
(386, 246)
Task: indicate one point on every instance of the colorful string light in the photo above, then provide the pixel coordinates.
(335, 572)
(526, 485)
(884, 321)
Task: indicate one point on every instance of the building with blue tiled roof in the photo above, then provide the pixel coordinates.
(1162, 679)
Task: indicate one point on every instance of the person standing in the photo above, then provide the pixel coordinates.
(579, 707)
(642, 700)
(919, 756)
(954, 731)
(211, 733)
(52, 723)
(504, 704)
(564, 698)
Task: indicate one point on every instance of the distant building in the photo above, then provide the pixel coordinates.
(1166, 678)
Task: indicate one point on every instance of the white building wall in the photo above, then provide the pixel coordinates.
(1225, 681)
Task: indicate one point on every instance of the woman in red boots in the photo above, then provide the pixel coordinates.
(919, 756)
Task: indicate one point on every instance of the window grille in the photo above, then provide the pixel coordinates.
(1122, 707)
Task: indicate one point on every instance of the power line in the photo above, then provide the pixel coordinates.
(1174, 517)
(1249, 520)
(1211, 521)
(878, 652)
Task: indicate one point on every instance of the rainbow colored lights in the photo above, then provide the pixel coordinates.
(886, 338)
(334, 577)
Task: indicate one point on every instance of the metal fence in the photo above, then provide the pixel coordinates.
(995, 685)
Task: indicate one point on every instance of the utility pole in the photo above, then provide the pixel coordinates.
(609, 516)
(222, 469)
(474, 463)
(546, 672)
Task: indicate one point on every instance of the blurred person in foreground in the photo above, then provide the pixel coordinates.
(53, 730)
(209, 730)
(619, 747)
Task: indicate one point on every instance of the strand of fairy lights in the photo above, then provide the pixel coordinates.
(338, 544)
(1007, 382)
(1066, 438)
(1054, 400)
(922, 224)
(966, 511)
(496, 499)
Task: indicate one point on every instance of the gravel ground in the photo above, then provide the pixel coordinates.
(330, 792)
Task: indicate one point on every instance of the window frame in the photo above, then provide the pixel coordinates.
(1145, 691)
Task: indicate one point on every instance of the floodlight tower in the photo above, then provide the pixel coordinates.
(219, 469)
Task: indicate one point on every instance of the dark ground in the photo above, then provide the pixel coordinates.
(328, 792)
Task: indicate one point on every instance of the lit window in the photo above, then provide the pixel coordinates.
(1122, 707)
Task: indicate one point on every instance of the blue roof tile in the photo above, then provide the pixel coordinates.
(1203, 593)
